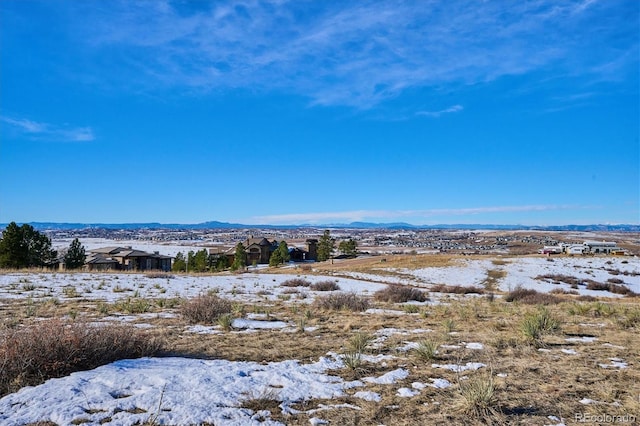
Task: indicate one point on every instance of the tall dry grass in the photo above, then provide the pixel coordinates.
(56, 348)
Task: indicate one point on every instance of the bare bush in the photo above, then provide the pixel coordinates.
(531, 297)
(340, 301)
(206, 308)
(594, 285)
(160, 275)
(326, 285)
(611, 287)
(295, 282)
(559, 279)
(56, 348)
(456, 289)
(563, 291)
(400, 294)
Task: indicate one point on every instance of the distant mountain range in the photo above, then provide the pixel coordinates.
(352, 225)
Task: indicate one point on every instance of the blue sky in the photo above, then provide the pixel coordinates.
(275, 111)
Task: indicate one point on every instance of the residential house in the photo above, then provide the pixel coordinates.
(259, 251)
(126, 259)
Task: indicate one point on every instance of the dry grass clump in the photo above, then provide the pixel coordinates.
(159, 275)
(133, 305)
(206, 308)
(427, 350)
(400, 294)
(56, 348)
(478, 397)
(295, 282)
(360, 342)
(630, 318)
(531, 297)
(326, 285)
(266, 399)
(535, 326)
(343, 301)
(456, 289)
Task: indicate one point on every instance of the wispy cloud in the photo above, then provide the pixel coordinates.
(50, 132)
(398, 215)
(354, 53)
(436, 114)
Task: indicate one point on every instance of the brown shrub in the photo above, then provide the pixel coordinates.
(586, 298)
(161, 275)
(324, 286)
(559, 278)
(339, 301)
(531, 297)
(456, 289)
(206, 308)
(594, 285)
(611, 287)
(295, 282)
(562, 291)
(400, 294)
(621, 289)
(56, 348)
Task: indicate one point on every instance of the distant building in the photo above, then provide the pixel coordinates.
(601, 247)
(126, 259)
(587, 247)
(572, 249)
(259, 251)
(551, 250)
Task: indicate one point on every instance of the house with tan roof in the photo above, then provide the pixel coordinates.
(126, 259)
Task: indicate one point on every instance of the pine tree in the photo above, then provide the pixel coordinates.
(199, 261)
(348, 247)
(75, 256)
(218, 262)
(275, 259)
(23, 247)
(179, 264)
(240, 258)
(284, 251)
(325, 246)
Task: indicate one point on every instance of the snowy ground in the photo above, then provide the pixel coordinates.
(523, 271)
(192, 391)
(111, 287)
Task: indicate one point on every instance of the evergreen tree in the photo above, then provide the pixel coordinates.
(348, 247)
(179, 264)
(275, 259)
(199, 261)
(218, 262)
(283, 249)
(240, 258)
(23, 247)
(325, 246)
(222, 263)
(75, 256)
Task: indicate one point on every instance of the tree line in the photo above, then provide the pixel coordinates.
(24, 247)
(202, 261)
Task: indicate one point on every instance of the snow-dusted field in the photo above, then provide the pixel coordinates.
(248, 287)
(178, 391)
(522, 271)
